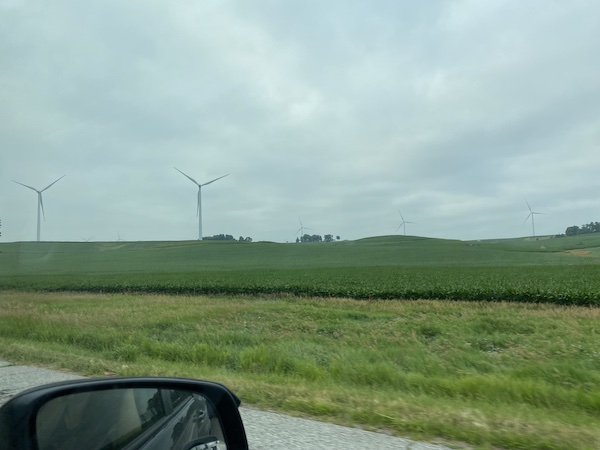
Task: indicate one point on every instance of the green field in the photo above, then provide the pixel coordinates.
(409, 335)
(556, 270)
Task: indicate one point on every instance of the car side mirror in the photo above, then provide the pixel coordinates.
(135, 413)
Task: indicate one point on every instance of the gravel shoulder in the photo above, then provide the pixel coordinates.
(265, 430)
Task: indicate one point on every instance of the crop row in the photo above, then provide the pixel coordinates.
(566, 285)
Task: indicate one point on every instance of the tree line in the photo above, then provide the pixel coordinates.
(301, 239)
(226, 237)
(316, 238)
(592, 227)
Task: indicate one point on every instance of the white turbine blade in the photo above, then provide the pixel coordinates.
(528, 206)
(32, 188)
(527, 218)
(40, 199)
(212, 181)
(53, 183)
(187, 176)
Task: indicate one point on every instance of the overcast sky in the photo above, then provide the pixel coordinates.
(339, 113)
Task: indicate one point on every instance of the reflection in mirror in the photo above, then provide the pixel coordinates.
(139, 418)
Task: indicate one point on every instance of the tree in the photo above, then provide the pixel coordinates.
(219, 237)
(328, 238)
(313, 238)
(572, 231)
(592, 227)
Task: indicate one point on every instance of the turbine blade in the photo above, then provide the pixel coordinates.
(40, 199)
(212, 181)
(528, 204)
(32, 188)
(187, 176)
(527, 218)
(53, 183)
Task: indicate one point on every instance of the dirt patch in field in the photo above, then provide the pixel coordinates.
(579, 252)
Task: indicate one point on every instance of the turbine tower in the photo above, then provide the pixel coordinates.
(403, 224)
(532, 213)
(40, 203)
(199, 208)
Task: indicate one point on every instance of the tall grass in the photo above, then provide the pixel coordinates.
(489, 374)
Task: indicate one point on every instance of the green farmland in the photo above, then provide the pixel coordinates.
(487, 344)
(555, 270)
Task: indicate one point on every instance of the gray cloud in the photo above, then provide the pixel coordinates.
(341, 114)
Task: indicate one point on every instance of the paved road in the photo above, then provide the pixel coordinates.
(265, 430)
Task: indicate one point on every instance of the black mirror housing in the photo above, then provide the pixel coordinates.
(20, 428)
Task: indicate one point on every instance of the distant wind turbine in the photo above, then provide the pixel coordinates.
(302, 228)
(403, 224)
(532, 213)
(199, 208)
(40, 203)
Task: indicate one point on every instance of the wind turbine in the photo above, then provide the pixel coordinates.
(301, 229)
(403, 224)
(40, 203)
(532, 213)
(199, 208)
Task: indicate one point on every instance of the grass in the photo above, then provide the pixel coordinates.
(490, 343)
(58, 258)
(552, 270)
(493, 375)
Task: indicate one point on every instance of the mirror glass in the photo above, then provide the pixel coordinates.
(133, 418)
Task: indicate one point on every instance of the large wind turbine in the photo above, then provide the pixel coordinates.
(403, 224)
(199, 209)
(40, 203)
(532, 213)
(301, 229)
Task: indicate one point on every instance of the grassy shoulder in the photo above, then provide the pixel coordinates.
(505, 375)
